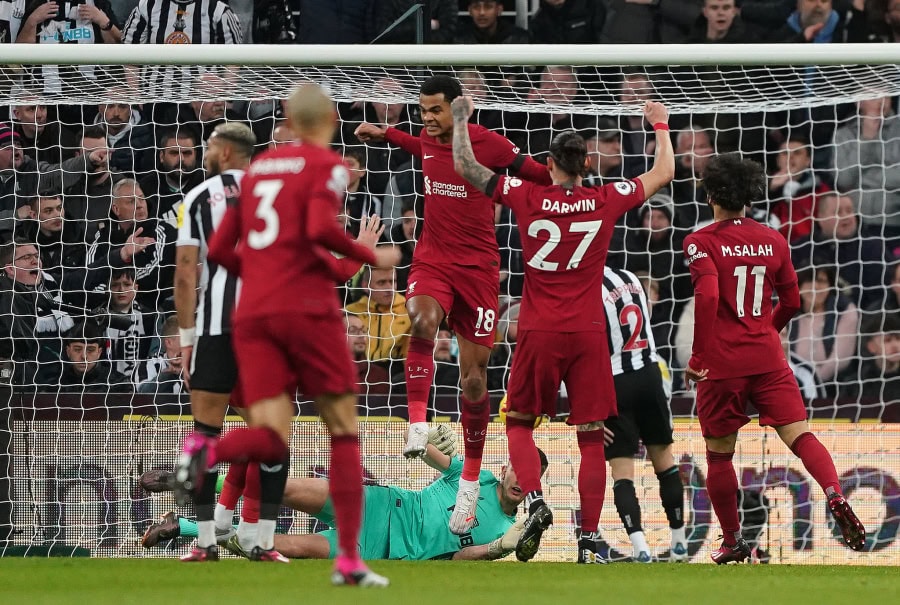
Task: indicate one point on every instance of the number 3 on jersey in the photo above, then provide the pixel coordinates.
(758, 272)
(538, 261)
(265, 192)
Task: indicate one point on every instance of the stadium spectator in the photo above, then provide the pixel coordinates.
(475, 85)
(177, 172)
(10, 22)
(487, 27)
(568, 22)
(358, 202)
(630, 22)
(512, 265)
(371, 378)
(889, 299)
(878, 380)
(18, 182)
(76, 22)
(719, 23)
(128, 136)
(278, 21)
(163, 373)
(793, 189)
(836, 241)
(439, 18)
(131, 328)
(825, 331)
(59, 238)
(637, 137)
(502, 353)
(403, 235)
(281, 135)
(206, 111)
(129, 216)
(346, 22)
(767, 15)
(42, 139)
(604, 147)
(383, 312)
(194, 22)
(81, 368)
(693, 149)
(814, 21)
(874, 21)
(804, 372)
(866, 151)
(30, 323)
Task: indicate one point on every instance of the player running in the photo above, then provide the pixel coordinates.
(455, 273)
(737, 265)
(288, 328)
(566, 229)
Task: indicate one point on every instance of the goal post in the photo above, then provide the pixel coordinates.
(75, 454)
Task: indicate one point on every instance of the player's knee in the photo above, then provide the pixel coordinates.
(424, 323)
(474, 385)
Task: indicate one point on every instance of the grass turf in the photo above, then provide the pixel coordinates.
(103, 581)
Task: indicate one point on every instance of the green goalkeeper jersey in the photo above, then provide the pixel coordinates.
(418, 520)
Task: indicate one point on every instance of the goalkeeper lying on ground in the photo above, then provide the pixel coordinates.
(397, 523)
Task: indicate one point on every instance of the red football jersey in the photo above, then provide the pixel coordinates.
(565, 238)
(284, 227)
(459, 219)
(751, 262)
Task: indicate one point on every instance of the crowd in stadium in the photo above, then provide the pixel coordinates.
(90, 194)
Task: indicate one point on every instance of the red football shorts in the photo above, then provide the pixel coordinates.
(722, 404)
(468, 295)
(277, 354)
(580, 359)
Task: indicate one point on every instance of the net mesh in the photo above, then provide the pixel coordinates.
(77, 450)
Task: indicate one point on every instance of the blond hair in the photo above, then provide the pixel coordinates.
(310, 108)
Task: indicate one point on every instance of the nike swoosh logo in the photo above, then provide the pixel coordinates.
(418, 375)
(482, 334)
(427, 157)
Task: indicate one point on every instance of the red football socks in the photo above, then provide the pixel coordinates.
(591, 478)
(250, 508)
(722, 487)
(346, 489)
(419, 376)
(523, 454)
(817, 461)
(255, 444)
(475, 418)
(234, 485)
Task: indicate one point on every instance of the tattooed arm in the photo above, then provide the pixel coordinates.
(464, 161)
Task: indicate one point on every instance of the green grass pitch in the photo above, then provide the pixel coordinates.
(120, 581)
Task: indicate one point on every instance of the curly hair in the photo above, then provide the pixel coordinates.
(733, 182)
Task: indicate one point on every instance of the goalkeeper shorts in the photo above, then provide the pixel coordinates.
(374, 533)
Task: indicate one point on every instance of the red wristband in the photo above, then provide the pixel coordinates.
(661, 126)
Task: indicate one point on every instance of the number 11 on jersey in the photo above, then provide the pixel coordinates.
(759, 273)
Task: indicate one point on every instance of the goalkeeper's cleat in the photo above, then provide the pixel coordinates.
(348, 572)
(157, 480)
(166, 528)
(679, 553)
(739, 551)
(416, 440)
(462, 519)
(201, 554)
(233, 545)
(224, 535)
(191, 467)
(535, 526)
(852, 529)
(267, 555)
(643, 557)
(589, 550)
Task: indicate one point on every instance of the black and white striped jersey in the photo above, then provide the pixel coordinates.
(186, 22)
(631, 344)
(198, 217)
(11, 13)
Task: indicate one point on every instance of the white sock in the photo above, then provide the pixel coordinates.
(266, 534)
(206, 533)
(678, 536)
(247, 534)
(639, 542)
(223, 516)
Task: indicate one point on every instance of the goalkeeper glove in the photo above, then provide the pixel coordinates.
(443, 438)
(506, 543)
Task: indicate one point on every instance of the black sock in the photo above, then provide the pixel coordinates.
(205, 499)
(272, 479)
(207, 429)
(627, 505)
(671, 492)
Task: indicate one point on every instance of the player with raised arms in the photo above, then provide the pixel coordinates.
(566, 229)
(288, 328)
(737, 265)
(455, 274)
